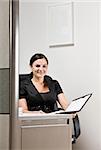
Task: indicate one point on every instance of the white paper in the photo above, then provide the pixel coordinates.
(76, 105)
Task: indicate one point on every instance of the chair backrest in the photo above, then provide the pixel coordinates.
(24, 76)
(76, 128)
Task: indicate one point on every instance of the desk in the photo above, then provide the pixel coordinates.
(45, 132)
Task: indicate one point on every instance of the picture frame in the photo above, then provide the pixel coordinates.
(60, 24)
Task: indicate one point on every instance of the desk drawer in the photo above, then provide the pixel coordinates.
(46, 137)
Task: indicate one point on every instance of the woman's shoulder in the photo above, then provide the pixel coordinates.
(54, 84)
(50, 79)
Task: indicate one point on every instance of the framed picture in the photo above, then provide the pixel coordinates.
(60, 24)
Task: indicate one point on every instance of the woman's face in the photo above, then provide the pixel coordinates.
(39, 68)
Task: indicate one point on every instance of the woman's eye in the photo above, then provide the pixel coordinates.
(44, 66)
(37, 66)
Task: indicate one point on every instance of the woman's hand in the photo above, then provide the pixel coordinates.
(35, 112)
(41, 112)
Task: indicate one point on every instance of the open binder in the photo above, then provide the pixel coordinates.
(76, 105)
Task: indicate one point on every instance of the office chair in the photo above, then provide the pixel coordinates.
(76, 129)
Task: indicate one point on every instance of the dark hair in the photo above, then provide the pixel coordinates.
(37, 56)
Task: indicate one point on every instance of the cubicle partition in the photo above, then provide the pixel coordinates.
(32, 132)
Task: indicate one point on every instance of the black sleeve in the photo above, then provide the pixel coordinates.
(22, 90)
(58, 87)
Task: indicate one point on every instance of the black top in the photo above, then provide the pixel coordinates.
(39, 101)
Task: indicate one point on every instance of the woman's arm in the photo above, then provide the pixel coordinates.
(23, 104)
(63, 101)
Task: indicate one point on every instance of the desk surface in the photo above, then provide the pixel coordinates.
(30, 116)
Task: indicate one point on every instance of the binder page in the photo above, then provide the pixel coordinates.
(76, 105)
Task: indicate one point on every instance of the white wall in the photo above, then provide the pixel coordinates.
(87, 29)
(76, 67)
(100, 60)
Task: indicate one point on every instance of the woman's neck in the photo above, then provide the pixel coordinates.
(38, 80)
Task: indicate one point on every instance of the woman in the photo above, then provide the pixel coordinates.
(39, 93)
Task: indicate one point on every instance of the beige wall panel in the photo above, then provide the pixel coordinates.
(4, 33)
(4, 91)
(4, 132)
